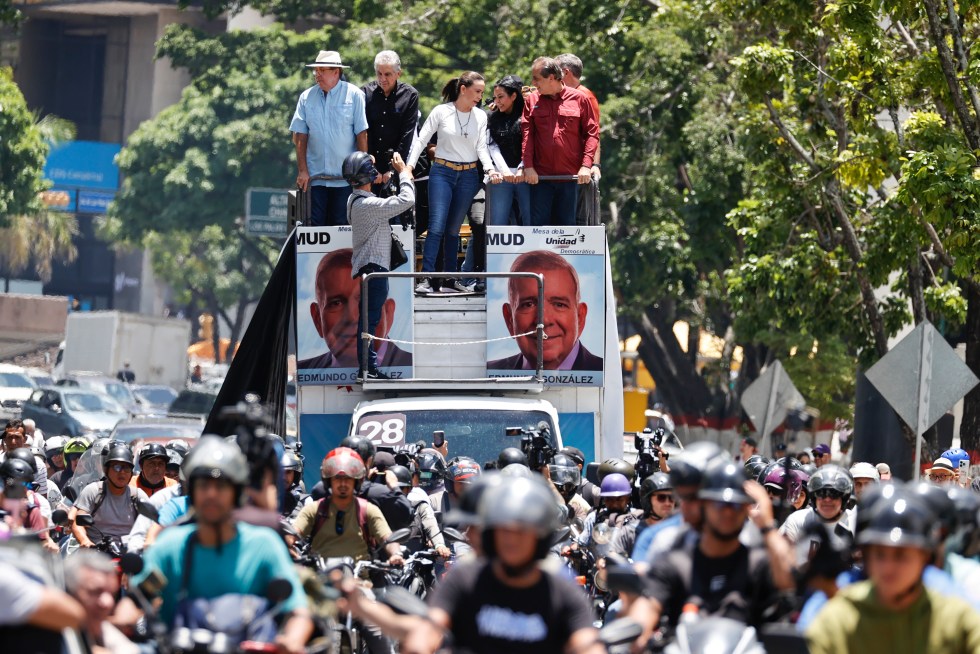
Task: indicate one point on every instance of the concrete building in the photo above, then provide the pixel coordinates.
(92, 62)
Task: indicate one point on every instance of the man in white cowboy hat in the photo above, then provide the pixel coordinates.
(328, 125)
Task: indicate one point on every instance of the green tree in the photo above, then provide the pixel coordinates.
(186, 174)
(29, 233)
(22, 153)
(844, 196)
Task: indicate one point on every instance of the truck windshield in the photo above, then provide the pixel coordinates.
(479, 433)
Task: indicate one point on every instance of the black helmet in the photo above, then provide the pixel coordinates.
(966, 504)
(432, 469)
(902, 520)
(178, 445)
(358, 170)
(577, 455)
(869, 499)
(658, 481)
(402, 474)
(790, 462)
(466, 511)
(510, 455)
(363, 446)
(939, 503)
(524, 502)
(564, 470)
(724, 481)
(151, 450)
(610, 466)
(291, 461)
(174, 461)
(755, 466)
(516, 470)
(687, 467)
(14, 473)
(26, 455)
(118, 453)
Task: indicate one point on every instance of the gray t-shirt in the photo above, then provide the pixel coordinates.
(116, 515)
(19, 595)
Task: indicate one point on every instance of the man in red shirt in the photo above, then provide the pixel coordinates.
(571, 68)
(560, 137)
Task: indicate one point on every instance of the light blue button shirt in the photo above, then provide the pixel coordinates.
(333, 121)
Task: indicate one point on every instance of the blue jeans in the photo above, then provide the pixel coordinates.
(328, 205)
(553, 203)
(377, 291)
(501, 201)
(451, 193)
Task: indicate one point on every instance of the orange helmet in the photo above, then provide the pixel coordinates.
(342, 462)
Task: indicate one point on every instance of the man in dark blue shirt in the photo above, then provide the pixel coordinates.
(392, 112)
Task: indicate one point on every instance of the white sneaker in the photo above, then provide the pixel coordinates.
(462, 287)
(423, 287)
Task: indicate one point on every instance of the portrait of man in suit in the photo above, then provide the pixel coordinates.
(564, 316)
(336, 314)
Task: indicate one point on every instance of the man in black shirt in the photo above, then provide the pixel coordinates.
(392, 113)
(506, 603)
(715, 571)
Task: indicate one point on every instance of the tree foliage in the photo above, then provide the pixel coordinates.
(29, 233)
(22, 153)
(799, 178)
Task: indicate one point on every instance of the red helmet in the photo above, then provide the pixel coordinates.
(342, 462)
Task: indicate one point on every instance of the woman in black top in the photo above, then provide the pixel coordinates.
(504, 127)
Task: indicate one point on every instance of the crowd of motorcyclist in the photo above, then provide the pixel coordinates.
(176, 549)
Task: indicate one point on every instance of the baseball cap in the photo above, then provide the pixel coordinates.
(823, 448)
(384, 460)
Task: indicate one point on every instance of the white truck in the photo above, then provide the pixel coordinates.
(103, 341)
(449, 390)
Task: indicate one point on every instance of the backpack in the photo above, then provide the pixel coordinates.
(419, 539)
(100, 498)
(322, 511)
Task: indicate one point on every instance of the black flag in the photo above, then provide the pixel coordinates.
(260, 366)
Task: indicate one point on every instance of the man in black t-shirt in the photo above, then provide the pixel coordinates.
(715, 571)
(507, 602)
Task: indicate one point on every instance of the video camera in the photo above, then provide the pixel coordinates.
(536, 444)
(408, 454)
(252, 424)
(648, 449)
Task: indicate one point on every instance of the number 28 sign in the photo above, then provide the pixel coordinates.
(383, 429)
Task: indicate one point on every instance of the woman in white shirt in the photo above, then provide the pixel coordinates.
(454, 178)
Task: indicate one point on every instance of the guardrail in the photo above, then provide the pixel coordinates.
(299, 201)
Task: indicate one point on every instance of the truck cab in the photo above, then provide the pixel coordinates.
(474, 426)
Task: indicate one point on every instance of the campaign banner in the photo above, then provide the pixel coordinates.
(572, 261)
(328, 307)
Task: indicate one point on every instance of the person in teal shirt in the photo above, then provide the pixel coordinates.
(227, 556)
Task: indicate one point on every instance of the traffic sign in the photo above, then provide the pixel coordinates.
(904, 378)
(769, 399)
(266, 211)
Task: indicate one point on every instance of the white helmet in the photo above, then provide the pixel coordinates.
(863, 470)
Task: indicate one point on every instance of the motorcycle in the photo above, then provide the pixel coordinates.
(212, 629)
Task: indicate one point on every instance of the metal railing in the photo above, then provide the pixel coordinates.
(300, 209)
(538, 330)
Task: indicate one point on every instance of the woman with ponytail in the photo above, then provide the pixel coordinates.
(454, 179)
